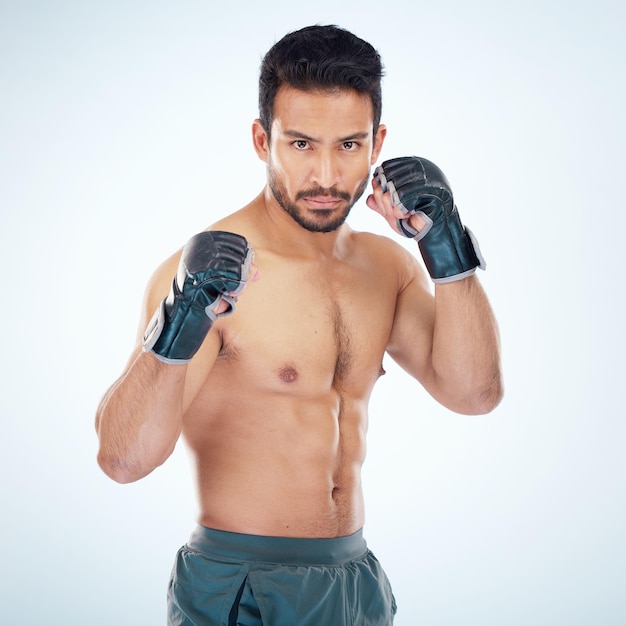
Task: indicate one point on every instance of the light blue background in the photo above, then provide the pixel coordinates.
(125, 128)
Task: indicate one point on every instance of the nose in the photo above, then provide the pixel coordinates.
(325, 171)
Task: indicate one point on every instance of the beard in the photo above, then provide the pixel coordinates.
(320, 220)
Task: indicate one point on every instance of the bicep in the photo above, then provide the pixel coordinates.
(411, 339)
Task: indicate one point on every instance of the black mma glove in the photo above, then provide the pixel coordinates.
(417, 186)
(213, 265)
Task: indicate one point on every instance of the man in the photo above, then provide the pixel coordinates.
(269, 334)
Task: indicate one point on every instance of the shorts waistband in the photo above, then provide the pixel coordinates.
(284, 550)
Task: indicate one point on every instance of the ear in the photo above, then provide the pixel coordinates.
(379, 140)
(260, 140)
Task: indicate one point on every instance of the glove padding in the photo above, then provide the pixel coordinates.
(213, 265)
(417, 186)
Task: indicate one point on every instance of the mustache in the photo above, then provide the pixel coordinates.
(323, 191)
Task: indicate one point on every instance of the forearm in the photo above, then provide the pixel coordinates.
(139, 419)
(466, 348)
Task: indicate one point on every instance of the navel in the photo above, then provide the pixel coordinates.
(288, 374)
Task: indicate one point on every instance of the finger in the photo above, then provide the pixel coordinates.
(381, 199)
(255, 273)
(417, 222)
(223, 305)
(372, 203)
(374, 199)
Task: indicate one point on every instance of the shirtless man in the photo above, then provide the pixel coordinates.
(264, 361)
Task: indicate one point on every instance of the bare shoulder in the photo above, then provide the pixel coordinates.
(240, 222)
(388, 254)
(377, 244)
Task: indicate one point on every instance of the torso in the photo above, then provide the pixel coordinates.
(278, 427)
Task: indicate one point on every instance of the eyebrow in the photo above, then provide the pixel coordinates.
(298, 135)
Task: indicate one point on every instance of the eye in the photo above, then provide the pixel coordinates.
(350, 146)
(301, 144)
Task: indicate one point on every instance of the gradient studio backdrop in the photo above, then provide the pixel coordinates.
(125, 128)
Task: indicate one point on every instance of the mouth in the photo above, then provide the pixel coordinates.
(322, 202)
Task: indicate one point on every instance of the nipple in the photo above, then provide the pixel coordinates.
(288, 374)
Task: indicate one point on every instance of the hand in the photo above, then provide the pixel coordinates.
(382, 202)
(224, 305)
(415, 197)
(213, 270)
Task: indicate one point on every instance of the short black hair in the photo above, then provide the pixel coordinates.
(320, 57)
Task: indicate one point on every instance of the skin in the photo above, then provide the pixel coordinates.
(273, 407)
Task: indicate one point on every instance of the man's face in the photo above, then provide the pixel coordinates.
(320, 153)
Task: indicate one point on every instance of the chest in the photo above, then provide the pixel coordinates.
(304, 329)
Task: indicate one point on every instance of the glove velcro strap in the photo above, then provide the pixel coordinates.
(450, 251)
(177, 329)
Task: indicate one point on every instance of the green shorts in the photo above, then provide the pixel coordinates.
(231, 579)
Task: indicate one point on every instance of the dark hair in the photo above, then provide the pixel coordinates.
(320, 57)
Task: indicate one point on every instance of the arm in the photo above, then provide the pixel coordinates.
(140, 417)
(449, 342)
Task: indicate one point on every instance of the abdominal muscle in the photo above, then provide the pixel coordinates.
(279, 465)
